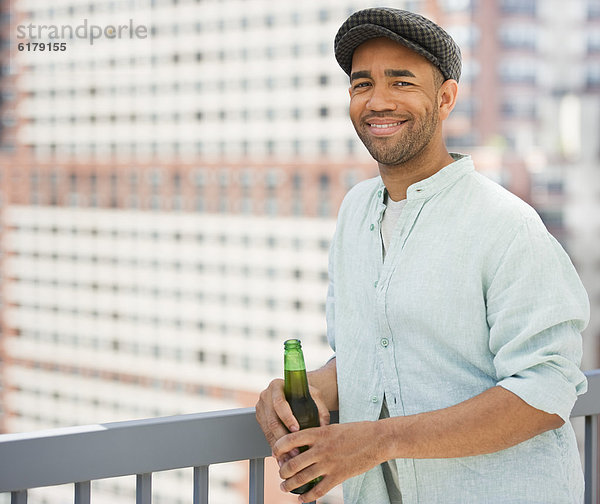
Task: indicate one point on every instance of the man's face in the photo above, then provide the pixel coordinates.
(393, 100)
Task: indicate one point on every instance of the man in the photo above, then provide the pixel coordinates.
(455, 317)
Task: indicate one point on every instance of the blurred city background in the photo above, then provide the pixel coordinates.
(169, 190)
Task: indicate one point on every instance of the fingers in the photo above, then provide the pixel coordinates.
(308, 465)
(299, 479)
(318, 491)
(303, 469)
(294, 465)
(286, 444)
(274, 414)
(290, 443)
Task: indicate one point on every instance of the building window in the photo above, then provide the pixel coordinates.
(456, 5)
(324, 182)
(518, 71)
(114, 197)
(272, 179)
(246, 178)
(518, 37)
(271, 206)
(523, 109)
(323, 146)
(593, 42)
(525, 7)
(593, 10)
(593, 77)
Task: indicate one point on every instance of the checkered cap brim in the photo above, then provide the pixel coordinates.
(407, 28)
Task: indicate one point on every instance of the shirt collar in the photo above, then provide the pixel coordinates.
(426, 188)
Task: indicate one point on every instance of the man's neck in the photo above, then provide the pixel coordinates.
(398, 178)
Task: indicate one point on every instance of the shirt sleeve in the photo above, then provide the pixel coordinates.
(536, 309)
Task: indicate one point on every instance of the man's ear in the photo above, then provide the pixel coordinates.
(447, 97)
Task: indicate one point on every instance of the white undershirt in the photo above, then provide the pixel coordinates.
(390, 218)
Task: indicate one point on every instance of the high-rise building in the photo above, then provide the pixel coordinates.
(171, 178)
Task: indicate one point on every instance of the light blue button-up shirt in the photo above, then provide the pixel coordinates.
(472, 293)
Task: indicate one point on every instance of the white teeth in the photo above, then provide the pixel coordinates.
(383, 126)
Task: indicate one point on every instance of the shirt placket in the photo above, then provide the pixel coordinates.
(385, 347)
(376, 395)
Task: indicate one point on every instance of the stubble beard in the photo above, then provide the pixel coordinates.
(394, 151)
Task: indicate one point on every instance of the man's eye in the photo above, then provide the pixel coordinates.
(402, 83)
(361, 85)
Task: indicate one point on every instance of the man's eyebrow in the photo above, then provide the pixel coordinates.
(361, 74)
(365, 74)
(399, 73)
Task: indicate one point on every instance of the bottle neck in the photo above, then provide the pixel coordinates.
(295, 380)
(294, 360)
(295, 384)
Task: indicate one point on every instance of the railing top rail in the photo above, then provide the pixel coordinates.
(589, 403)
(72, 454)
(84, 453)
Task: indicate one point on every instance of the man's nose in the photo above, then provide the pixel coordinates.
(380, 99)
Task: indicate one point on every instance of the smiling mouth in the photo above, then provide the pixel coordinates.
(385, 129)
(385, 126)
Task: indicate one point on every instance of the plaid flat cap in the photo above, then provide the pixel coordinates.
(407, 28)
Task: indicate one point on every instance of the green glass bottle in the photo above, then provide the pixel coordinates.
(297, 395)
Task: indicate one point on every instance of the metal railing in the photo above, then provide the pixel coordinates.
(588, 406)
(138, 447)
(143, 447)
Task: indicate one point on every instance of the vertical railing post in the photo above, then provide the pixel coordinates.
(19, 497)
(82, 492)
(591, 459)
(143, 489)
(257, 481)
(201, 485)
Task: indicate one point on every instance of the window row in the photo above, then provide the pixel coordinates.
(245, 115)
(259, 241)
(271, 178)
(193, 58)
(232, 22)
(241, 271)
(230, 301)
(218, 84)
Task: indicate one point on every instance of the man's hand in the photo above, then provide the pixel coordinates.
(336, 452)
(275, 416)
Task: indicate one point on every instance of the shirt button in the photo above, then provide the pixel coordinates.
(374, 399)
(379, 194)
(375, 283)
(372, 227)
(385, 342)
